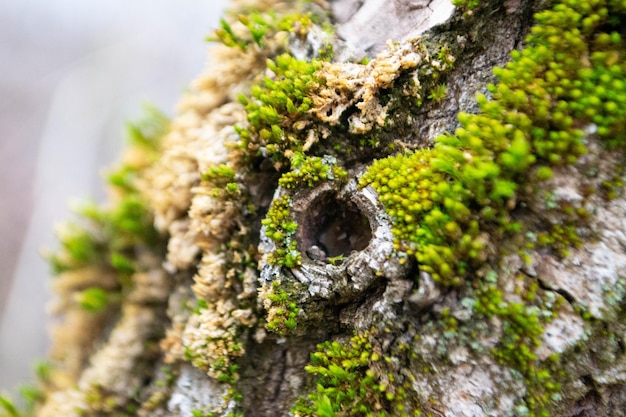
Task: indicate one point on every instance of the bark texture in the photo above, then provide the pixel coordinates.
(278, 281)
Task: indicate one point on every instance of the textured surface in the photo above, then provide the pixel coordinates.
(327, 251)
(72, 74)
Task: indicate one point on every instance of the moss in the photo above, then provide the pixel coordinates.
(613, 188)
(7, 408)
(438, 93)
(279, 224)
(282, 311)
(93, 299)
(466, 4)
(255, 27)
(276, 107)
(280, 227)
(523, 325)
(309, 171)
(353, 379)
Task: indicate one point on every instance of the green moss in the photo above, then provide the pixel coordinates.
(309, 171)
(466, 4)
(7, 408)
(148, 131)
(431, 215)
(282, 311)
(227, 371)
(522, 327)
(108, 238)
(280, 227)
(275, 107)
(257, 27)
(93, 299)
(438, 92)
(613, 188)
(353, 380)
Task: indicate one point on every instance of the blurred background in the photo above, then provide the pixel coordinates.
(71, 73)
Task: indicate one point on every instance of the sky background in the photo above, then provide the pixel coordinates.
(71, 73)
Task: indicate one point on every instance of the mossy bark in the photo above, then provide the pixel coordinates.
(527, 320)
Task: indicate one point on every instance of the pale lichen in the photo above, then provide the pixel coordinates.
(346, 85)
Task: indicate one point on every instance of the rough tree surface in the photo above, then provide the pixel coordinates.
(363, 208)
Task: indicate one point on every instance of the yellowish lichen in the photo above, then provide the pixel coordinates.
(347, 84)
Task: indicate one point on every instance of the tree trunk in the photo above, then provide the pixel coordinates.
(312, 235)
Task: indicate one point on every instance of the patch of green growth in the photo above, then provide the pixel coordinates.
(219, 174)
(106, 238)
(276, 105)
(257, 27)
(223, 180)
(431, 216)
(200, 305)
(560, 237)
(614, 187)
(42, 370)
(98, 401)
(438, 93)
(79, 248)
(466, 4)
(282, 311)
(145, 135)
(93, 299)
(227, 371)
(310, 170)
(200, 413)
(278, 101)
(148, 131)
(7, 408)
(32, 395)
(353, 380)
(281, 228)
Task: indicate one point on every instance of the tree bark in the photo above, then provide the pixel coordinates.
(218, 320)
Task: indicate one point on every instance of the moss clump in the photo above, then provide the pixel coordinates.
(353, 379)
(276, 105)
(522, 328)
(282, 311)
(7, 408)
(255, 27)
(93, 299)
(309, 171)
(466, 4)
(280, 227)
(431, 215)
